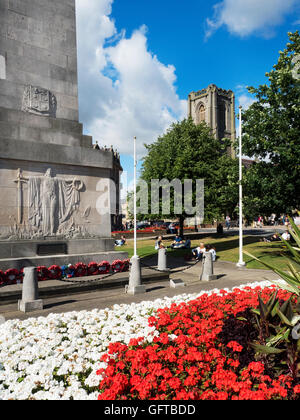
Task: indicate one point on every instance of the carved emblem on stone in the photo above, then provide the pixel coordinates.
(39, 101)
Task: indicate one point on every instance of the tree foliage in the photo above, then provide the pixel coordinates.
(189, 151)
(272, 136)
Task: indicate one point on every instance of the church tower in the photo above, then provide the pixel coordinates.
(216, 107)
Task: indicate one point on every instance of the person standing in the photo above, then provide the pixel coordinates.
(227, 222)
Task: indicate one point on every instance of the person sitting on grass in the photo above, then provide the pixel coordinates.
(177, 243)
(187, 244)
(212, 250)
(121, 242)
(273, 238)
(286, 236)
(199, 251)
(182, 245)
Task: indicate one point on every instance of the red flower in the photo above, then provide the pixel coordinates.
(235, 346)
(198, 363)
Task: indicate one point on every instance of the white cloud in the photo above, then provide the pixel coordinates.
(245, 101)
(243, 97)
(124, 90)
(247, 17)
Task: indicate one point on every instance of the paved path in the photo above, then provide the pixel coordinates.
(228, 276)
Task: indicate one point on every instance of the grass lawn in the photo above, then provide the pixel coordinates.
(227, 249)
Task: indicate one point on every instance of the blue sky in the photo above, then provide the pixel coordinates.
(139, 59)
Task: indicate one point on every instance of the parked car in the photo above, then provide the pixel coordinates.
(158, 224)
(142, 225)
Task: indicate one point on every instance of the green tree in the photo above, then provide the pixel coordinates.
(271, 136)
(189, 151)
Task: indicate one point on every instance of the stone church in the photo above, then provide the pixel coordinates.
(216, 107)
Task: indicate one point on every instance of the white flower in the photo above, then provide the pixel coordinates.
(43, 358)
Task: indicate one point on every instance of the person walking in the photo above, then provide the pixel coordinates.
(260, 221)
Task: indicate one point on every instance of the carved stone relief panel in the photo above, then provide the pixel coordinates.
(52, 203)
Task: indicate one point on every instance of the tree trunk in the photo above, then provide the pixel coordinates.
(181, 231)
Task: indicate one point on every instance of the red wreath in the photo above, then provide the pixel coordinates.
(126, 265)
(55, 272)
(104, 267)
(12, 276)
(70, 271)
(43, 273)
(93, 269)
(21, 275)
(2, 278)
(80, 270)
(117, 266)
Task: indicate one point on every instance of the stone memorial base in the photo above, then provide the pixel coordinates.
(36, 305)
(21, 254)
(174, 284)
(54, 246)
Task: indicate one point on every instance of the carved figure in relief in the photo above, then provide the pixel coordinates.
(52, 201)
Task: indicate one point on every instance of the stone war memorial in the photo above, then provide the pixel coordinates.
(55, 187)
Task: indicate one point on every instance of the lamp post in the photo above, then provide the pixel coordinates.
(241, 262)
(135, 277)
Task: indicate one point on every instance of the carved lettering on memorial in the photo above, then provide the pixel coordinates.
(39, 101)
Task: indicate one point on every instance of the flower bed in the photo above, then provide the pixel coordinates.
(58, 357)
(202, 352)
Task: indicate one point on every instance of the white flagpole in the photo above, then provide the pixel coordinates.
(135, 285)
(134, 187)
(241, 262)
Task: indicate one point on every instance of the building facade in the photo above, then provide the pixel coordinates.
(215, 107)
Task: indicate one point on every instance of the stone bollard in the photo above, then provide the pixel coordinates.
(30, 292)
(207, 268)
(162, 260)
(135, 278)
